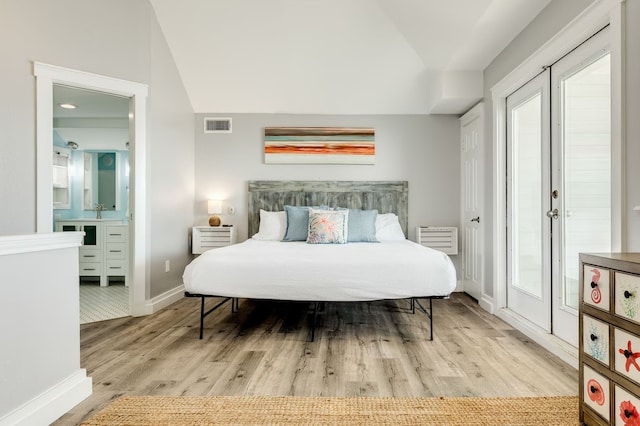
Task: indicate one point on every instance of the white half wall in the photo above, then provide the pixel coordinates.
(40, 374)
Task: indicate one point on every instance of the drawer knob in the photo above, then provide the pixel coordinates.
(627, 294)
(593, 337)
(594, 284)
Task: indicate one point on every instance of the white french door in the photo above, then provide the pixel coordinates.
(528, 180)
(558, 184)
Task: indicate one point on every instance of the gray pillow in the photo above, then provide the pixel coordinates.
(298, 222)
(362, 226)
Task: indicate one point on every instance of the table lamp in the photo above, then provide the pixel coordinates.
(214, 208)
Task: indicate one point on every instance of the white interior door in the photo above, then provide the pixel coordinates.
(581, 178)
(528, 182)
(471, 145)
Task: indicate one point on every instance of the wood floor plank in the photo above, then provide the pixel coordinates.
(361, 349)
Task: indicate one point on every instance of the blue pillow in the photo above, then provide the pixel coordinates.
(298, 222)
(362, 226)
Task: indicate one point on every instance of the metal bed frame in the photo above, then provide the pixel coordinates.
(235, 304)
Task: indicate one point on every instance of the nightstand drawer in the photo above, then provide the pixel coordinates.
(627, 296)
(207, 238)
(596, 392)
(596, 287)
(595, 339)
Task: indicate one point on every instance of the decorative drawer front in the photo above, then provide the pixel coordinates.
(116, 251)
(627, 354)
(595, 339)
(627, 408)
(596, 287)
(596, 392)
(116, 234)
(627, 296)
(90, 268)
(116, 267)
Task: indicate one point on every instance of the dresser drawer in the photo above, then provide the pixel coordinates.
(626, 408)
(116, 250)
(595, 339)
(596, 392)
(596, 287)
(627, 354)
(627, 296)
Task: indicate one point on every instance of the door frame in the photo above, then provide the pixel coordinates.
(593, 18)
(48, 75)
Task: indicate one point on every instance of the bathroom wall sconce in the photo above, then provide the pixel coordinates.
(214, 208)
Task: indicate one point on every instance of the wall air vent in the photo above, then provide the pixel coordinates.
(217, 125)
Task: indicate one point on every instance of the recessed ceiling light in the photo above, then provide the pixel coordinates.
(68, 106)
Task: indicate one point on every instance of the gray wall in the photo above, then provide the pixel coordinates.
(115, 38)
(548, 23)
(421, 149)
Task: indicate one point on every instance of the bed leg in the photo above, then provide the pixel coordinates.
(201, 316)
(315, 318)
(430, 318)
(413, 305)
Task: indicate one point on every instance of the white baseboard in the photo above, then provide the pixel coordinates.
(488, 304)
(165, 299)
(553, 344)
(53, 403)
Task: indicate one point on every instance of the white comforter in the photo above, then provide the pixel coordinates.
(321, 272)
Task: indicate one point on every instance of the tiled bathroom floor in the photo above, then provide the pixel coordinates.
(103, 303)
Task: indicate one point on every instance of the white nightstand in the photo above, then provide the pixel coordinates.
(205, 238)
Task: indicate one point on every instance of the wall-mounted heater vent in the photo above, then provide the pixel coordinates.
(217, 125)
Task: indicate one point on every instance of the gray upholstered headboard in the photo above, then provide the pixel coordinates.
(384, 196)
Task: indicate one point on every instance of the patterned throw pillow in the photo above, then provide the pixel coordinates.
(328, 227)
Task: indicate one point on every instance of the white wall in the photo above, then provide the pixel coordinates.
(422, 149)
(40, 374)
(115, 38)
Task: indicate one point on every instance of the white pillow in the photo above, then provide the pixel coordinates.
(272, 226)
(388, 228)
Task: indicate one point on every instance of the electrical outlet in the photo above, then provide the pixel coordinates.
(167, 265)
(231, 210)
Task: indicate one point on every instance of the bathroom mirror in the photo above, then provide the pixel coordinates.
(100, 179)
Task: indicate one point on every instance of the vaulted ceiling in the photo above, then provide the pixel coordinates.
(338, 56)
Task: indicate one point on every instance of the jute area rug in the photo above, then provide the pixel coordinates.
(258, 410)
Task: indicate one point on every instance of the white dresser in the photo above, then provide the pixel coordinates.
(105, 248)
(609, 326)
(209, 237)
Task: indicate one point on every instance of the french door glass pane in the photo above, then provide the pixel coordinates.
(586, 139)
(527, 196)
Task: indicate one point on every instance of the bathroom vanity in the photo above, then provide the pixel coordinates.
(105, 248)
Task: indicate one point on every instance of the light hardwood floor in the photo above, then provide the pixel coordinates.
(361, 349)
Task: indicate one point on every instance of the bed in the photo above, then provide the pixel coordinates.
(366, 268)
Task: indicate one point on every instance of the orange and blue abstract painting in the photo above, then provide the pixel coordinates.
(319, 145)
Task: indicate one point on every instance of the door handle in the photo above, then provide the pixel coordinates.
(476, 219)
(552, 214)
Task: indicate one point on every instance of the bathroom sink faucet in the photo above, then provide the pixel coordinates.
(99, 209)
